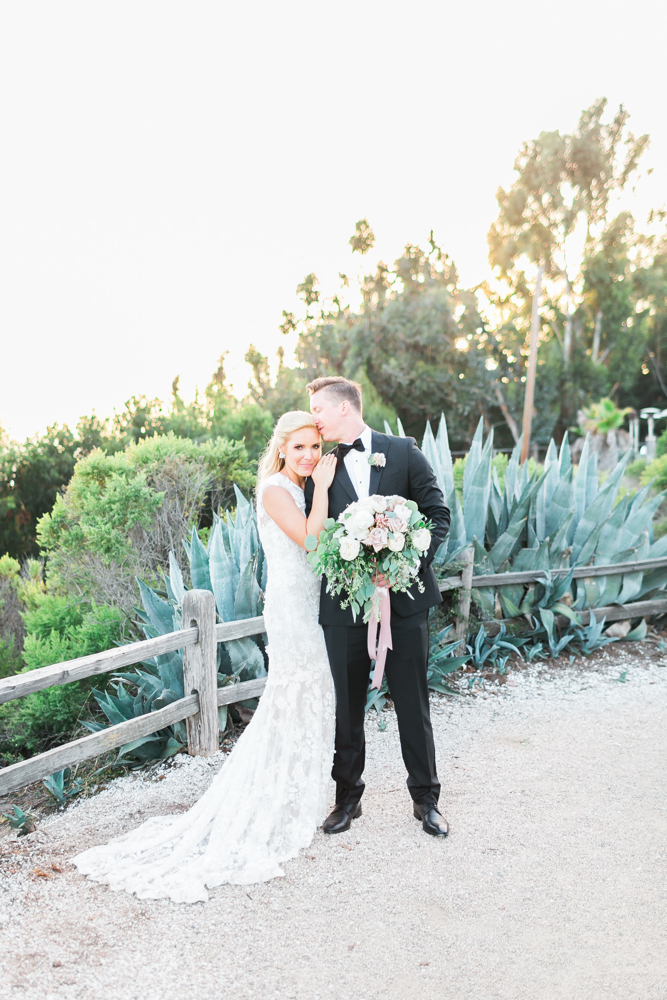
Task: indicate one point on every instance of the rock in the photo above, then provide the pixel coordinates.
(618, 630)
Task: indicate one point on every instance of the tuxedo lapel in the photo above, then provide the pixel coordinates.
(343, 478)
(379, 443)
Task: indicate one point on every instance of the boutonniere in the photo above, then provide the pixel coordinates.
(377, 458)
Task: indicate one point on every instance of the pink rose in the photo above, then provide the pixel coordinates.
(377, 538)
(398, 524)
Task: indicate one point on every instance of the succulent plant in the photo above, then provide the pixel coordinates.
(551, 519)
(20, 821)
(62, 785)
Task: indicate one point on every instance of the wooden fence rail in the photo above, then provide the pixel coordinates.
(537, 576)
(467, 582)
(198, 640)
(199, 707)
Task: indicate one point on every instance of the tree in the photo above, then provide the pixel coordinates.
(31, 476)
(564, 182)
(275, 397)
(418, 344)
(422, 342)
(647, 324)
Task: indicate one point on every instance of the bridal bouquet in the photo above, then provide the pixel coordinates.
(377, 535)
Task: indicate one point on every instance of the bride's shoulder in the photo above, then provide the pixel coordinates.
(279, 481)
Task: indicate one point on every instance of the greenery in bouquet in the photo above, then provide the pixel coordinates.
(376, 535)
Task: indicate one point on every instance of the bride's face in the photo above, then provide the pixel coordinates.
(303, 450)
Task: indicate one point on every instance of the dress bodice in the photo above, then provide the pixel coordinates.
(286, 561)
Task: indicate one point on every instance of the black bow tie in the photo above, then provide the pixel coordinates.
(356, 446)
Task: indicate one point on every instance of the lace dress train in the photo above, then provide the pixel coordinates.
(271, 794)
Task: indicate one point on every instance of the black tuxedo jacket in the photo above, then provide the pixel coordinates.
(408, 474)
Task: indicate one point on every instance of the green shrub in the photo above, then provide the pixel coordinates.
(42, 720)
(661, 444)
(57, 631)
(636, 468)
(660, 529)
(60, 631)
(21, 588)
(656, 472)
(53, 614)
(10, 658)
(121, 514)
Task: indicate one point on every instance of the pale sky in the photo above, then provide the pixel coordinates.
(171, 171)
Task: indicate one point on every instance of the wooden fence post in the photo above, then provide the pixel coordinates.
(464, 594)
(200, 673)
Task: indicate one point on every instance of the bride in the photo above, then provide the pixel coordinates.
(266, 802)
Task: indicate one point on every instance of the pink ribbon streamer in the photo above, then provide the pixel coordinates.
(377, 650)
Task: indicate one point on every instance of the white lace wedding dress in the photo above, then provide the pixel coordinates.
(271, 794)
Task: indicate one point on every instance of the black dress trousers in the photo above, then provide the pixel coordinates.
(406, 670)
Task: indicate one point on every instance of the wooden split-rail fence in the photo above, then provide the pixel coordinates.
(199, 638)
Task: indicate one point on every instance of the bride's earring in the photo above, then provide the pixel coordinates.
(281, 454)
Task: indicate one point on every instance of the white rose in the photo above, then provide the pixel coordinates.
(400, 510)
(359, 522)
(349, 548)
(379, 504)
(421, 539)
(396, 542)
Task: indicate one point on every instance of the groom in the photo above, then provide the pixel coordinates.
(336, 405)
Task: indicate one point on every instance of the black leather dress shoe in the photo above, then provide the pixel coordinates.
(432, 821)
(341, 818)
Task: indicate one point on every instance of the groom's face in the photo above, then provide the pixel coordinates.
(330, 415)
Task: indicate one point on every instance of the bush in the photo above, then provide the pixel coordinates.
(10, 658)
(11, 620)
(57, 630)
(635, 469)
(19, 590)
(121, 514)
(656, 472)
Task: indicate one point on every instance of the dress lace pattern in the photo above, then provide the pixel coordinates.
(271, 794)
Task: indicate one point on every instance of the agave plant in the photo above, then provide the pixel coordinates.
(233, 568)
(557, 518)
(591, 637)
(20, 820)
(62, 785)
(441, 663)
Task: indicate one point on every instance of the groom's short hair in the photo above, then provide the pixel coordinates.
(338, 388)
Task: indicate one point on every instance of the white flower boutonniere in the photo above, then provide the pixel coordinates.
(378, 458)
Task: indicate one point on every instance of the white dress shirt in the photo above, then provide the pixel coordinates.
(357, 464)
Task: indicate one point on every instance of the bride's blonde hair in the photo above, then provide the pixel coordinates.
(288, 424)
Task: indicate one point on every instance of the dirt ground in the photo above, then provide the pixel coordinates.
(551, 885)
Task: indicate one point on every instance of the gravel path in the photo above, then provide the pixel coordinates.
(551, 885)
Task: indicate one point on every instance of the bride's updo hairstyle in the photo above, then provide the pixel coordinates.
(293, 420)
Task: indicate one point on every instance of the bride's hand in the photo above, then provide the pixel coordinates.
(325, 470)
